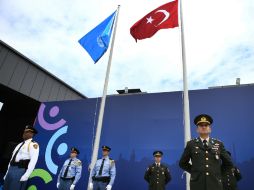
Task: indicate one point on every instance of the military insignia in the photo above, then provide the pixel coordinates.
(216, 146)
(197, 147)
(217, 157)
(203, 119)
(162, 173)
(35, 146)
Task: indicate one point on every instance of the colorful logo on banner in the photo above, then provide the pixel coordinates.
(61, 128)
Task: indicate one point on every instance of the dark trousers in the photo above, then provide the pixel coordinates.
(12, 179)
(99, 185)
(65, 184)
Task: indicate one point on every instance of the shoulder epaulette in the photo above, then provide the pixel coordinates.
(216, 140)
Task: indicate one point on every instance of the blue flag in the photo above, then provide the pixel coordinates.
(96, 41)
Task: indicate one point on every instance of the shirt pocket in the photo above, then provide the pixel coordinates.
(195, 176)
(195, 151)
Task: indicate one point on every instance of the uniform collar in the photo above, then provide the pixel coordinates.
(107, 157)
(28, 140)
(208, 139)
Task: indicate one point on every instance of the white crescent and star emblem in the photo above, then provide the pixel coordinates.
(166, 13)
(149, 20)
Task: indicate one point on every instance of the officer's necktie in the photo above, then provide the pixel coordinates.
(67, 168)
(102, 164)
(205, 144)
(15, 155)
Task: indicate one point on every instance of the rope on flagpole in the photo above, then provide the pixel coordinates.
(94, 124)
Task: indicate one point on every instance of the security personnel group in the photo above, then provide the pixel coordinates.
(205, 158)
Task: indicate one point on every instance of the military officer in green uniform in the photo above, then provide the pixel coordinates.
(204, 156)
(157, 175)
(230, 177)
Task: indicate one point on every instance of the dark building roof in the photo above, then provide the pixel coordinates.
(25, 76)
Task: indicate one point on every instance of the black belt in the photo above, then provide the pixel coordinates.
(105, 179)
(68, 178)
(21, 163)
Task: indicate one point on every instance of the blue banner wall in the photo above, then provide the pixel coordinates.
(136, 125)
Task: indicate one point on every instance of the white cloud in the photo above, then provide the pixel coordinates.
(219, 43)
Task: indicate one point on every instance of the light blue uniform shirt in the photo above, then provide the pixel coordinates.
(109, 169)
(73, 171)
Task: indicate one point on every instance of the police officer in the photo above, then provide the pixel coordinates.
(207, 156)
(157, 174)
(104, 172)
(230, 177)
(70, 173)
(23, 161)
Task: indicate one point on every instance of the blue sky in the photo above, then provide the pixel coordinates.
(219, 43)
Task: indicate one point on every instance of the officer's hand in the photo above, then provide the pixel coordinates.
(24, 178)
(57, 185)
(72, 187)
(108, 187)
(91, 186)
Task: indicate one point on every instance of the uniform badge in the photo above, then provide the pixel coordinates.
(217, 157)
(79, 163)
(35, 146)
(112, 162)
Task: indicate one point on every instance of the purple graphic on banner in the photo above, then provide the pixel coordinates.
(52, 113)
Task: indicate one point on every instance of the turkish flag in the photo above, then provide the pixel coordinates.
(165, 16)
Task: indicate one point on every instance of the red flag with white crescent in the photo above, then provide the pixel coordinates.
(165, 16)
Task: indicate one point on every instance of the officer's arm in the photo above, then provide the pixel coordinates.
(238, 174)
(59, 175)
(226, 159)
(34, 153)
(93, 173)
(147, 175)
(93, 170)
(167, 176)
(112, 173)
(78, 173)
(184, 161)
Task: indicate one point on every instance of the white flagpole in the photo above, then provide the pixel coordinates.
(103, 101)
(187, 130)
